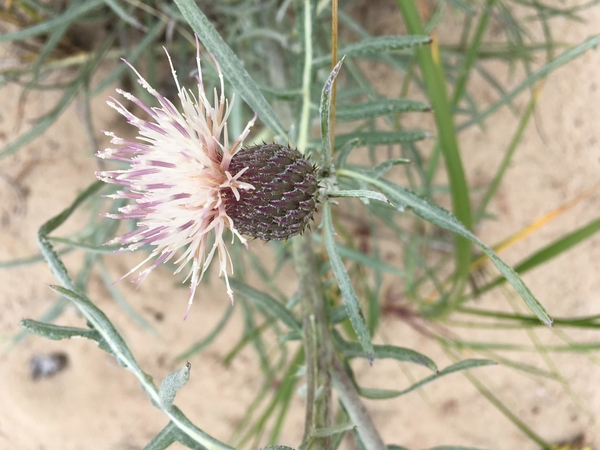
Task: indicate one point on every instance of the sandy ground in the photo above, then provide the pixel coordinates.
(93, 403)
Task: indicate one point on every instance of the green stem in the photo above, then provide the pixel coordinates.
(306, 79)
(433, 76)
(471, 55)
(317, 345)
(354, 407)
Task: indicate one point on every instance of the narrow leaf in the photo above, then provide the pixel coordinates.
(44, 27)
(28, 260)
(345, 151)
(230, 65)
(552, 250)
(276, 447)
(381, 137)
(325, 113)
(124, 15)
(164, 439)
(360, 193)
(354, 350)
(452, 447)
(364, 260)
(56, 266)
(377, 45)
(57, 332)
(377, 108)
(348, 295)
(123, 303)
(100, 322)
(381, 169)
(334, 429)
(266, 301)
(168, 436)
(442, 218)
(459, 366)
(198, 346)
(137, 51)
(564, 58)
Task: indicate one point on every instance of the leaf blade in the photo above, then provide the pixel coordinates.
(269, 303)
(371, 110)
(230, 64)
(442, 218)
(348, 295)
(380, 394)
(377, 45)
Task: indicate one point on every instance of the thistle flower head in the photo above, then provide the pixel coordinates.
(284, 197)
(178, 178)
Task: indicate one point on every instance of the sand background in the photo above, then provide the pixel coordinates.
(96, 404)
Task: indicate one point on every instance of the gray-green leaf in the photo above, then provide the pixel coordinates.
(354, 350)
(381, 137)
(377, 45)
(230, 64)
(171, 384)
(377, 108)
(442, 218)
(360, 193)
(462, 365)
(348, 295)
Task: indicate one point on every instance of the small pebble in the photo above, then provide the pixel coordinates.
(45, 366)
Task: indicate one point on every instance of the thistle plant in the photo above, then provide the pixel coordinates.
(205, 173)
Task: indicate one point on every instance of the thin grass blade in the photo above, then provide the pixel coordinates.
(549, 252)
(564, 58)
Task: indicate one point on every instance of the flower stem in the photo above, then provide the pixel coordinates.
(354, 407)
(317, 345)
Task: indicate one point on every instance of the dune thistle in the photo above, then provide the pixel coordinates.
(186, 182)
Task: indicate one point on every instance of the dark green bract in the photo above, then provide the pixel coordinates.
(284, 197)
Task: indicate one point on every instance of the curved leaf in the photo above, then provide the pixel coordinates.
(230, 65)
(266, 301)
(348, 295)
(172, 383)
(354, 350)
(462, 365)
(442, 218)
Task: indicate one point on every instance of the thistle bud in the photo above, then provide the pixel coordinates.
(284, 197)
